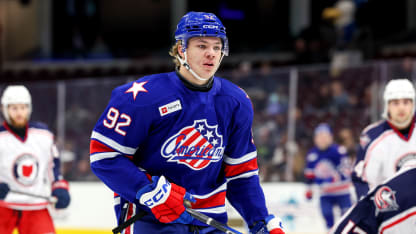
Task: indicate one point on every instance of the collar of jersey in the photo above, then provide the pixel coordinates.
(202, 88)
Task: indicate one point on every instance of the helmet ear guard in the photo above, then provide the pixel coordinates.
(15, 94)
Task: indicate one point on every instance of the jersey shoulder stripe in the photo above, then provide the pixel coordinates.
(39, 125)
(373, 132)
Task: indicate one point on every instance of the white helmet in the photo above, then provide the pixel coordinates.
(398, 89)
(15, 94)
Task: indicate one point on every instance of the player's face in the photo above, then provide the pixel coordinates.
(19, 114)
(203, 55)
(400, 110)
(323, 140)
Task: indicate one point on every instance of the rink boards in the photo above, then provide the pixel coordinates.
(91, 209)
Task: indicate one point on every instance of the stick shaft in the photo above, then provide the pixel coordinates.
(212, 222)
(129, 222)
(49, 199)
(197, 215)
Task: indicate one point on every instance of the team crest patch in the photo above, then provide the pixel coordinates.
(385, 200)
(25, 169)
(195, 146)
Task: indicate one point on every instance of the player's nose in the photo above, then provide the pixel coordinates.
(210, 52)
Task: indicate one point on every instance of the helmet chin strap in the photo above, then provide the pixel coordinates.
(184, 63)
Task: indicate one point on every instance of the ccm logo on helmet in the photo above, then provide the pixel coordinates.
(210, 26)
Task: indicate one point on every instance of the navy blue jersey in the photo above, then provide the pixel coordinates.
(388, 208)
(200, 140)
(329, 169)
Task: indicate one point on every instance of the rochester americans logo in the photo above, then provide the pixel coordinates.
(195, 146)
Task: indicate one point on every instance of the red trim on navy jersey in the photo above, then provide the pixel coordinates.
(336, 188)
(233, 170)
(213, 201)
(412, 126)
(310, 175)
(98, 147)
(6, 125)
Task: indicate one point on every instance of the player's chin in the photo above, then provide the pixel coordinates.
(19, 122)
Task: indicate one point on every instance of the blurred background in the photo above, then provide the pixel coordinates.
(302, 62)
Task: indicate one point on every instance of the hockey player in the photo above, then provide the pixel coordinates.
(389, 144)
(183, 134)
(388, 208)
(328, 166)
(29, 164)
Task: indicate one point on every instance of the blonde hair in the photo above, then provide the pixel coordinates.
(174, 52)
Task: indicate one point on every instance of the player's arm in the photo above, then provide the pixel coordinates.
(358, 219)
(309, 173)
(114, 140)
(344, 168)
(360, 186)
(60, 187)
(241, 170)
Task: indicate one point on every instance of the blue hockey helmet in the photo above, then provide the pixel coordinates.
(323, 127)
(200, 24)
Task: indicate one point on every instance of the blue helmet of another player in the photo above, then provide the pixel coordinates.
(201, 24)
(323, 136)
(323, 127)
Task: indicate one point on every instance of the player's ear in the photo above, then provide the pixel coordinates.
(180, 52)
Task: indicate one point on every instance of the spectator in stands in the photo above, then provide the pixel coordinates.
(406, 68)
(342, 14)
(340, 98)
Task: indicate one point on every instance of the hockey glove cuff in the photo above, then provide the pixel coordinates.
(271, 224)
(165, 200)
(4, 190)
(60, 190)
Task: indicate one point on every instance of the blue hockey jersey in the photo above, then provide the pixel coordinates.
(329, 169)
(200, 140)
(389, 208)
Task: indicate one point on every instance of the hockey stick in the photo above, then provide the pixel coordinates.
(199, 216)
(128, 222)
(212, 222)
(49, 199)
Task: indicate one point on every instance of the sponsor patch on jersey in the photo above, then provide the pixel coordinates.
(170, 107)
(385, 200)
(26, 169)
(195, 146)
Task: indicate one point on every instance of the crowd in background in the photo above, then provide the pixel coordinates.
(344, 99)
(340, 89)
